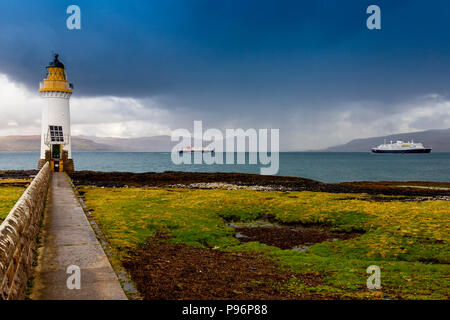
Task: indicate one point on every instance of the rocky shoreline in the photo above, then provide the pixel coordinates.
(232, 181)
(197, 180)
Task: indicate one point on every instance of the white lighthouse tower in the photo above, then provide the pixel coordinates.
(55, 131)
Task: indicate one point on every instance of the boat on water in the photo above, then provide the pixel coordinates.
(196, 149)
(401, 147)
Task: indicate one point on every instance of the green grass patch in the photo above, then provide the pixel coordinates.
(398, 236)
(8, 198)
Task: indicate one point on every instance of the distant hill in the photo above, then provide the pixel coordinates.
(33, 143)
(20, 143)
(92, 144)
(161, 143)
(145, 144)
(439, 140)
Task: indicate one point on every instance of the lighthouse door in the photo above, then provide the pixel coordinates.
(56, 151)
(56, 163)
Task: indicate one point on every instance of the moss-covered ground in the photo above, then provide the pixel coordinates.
(408, 240)
(9, 196)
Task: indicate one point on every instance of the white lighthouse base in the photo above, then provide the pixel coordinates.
(64, 164)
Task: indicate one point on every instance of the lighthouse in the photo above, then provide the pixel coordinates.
(56, 145)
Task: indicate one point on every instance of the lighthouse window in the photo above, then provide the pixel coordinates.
(56, 134)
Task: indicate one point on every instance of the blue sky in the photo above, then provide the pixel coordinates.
(310, 68)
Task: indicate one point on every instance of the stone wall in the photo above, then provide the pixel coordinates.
(42, 162)
(18, 234)
(68, 165)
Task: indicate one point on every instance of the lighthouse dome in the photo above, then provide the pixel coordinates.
(56, 63)
(56, 78)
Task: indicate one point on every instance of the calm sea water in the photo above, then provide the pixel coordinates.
(326, 167)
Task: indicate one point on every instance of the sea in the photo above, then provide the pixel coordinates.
(328, 167)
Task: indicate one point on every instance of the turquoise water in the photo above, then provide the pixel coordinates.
(326, 167)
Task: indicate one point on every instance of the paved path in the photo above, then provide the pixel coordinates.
(69, 240)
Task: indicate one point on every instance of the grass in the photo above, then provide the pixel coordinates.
(8, 197)
(400, 237)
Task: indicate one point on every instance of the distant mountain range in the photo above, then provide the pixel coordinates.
(93, 144)
(145, 144)
(439, 140)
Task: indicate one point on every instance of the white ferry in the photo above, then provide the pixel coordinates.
(401, 147)
(196, 149)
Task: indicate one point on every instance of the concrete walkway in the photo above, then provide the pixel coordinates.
(68, 239)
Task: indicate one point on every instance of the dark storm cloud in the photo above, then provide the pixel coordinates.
(223, 53)
(310, 68)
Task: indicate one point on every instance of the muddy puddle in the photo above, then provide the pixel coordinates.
(294, 237)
